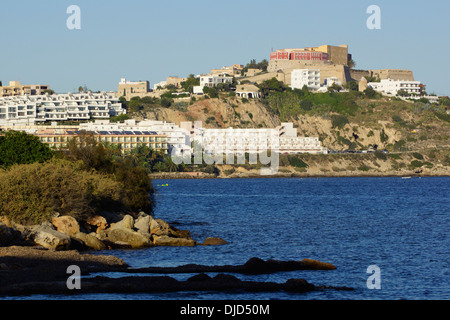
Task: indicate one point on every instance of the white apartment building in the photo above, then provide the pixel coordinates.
(282, 139)
(391, 87)
(290, 143)
(58, 107)
(305, 77)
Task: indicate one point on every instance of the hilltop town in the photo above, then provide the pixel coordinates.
(312, 100)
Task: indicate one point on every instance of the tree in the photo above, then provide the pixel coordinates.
(271, 85)
(402, 93)
(166, 102)
(134, 105)
(351, 63)
(17, 147)
(190, 83)
(211, 91)
(80, 89)
(370, 93)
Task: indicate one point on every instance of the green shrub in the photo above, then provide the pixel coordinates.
(295, 161)
(417, 155)
(17, 147)
(32, 193)
(399, 145)
(416, 164)
(338, 121)
(383, 136)
(380, 155)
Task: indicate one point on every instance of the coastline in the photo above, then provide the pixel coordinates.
(257, 175)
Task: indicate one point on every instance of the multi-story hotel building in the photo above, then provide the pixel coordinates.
(178, 142)
(59, 107)
(127, 140)
(282, 139)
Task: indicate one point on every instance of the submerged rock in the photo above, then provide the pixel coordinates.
(213, 241)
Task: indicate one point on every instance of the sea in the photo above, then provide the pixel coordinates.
(388, 237)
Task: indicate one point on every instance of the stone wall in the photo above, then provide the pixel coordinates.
(395, 74)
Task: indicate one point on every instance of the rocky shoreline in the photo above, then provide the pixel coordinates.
(29, 270)
(123, 231)
(36, 259)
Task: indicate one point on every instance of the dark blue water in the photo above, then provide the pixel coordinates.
(400, 225)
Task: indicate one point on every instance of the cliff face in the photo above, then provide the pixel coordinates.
(395, 125)
(415, 134)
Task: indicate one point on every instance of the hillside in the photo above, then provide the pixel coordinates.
(347, 122)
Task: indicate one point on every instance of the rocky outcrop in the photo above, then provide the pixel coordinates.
(252, 266)
(66, 233)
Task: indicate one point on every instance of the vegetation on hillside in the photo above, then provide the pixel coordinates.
(87, 178)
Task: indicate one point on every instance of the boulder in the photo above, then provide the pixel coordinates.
(211, 241)
(52, 239)
(142, 223)
(66, 224)
(161, 228)
(127, 235)
(90, 241)
(9, 236)
(126, 223)
(97, 221)
(173, 242)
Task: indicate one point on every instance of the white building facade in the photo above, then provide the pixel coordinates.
(282, 139)
(59, 107)
(391, 87)
(177, 138)
(305, 77)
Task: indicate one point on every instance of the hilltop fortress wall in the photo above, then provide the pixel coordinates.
(281, 70)
(394, 74)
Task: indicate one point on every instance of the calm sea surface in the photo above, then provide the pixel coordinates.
(400, 225)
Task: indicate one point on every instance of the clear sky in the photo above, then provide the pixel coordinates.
(150, 40)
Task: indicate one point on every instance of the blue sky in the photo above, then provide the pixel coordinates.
(150, 40)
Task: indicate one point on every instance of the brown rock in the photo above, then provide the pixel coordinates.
(91, 241)
(318, 265)
(99, 222)
(133, 238)
(66, 224)
(172, 242)
(214, 241)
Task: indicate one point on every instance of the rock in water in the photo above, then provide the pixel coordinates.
(90, 241)
(211, 241)
(172, 242)
(133, 238)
